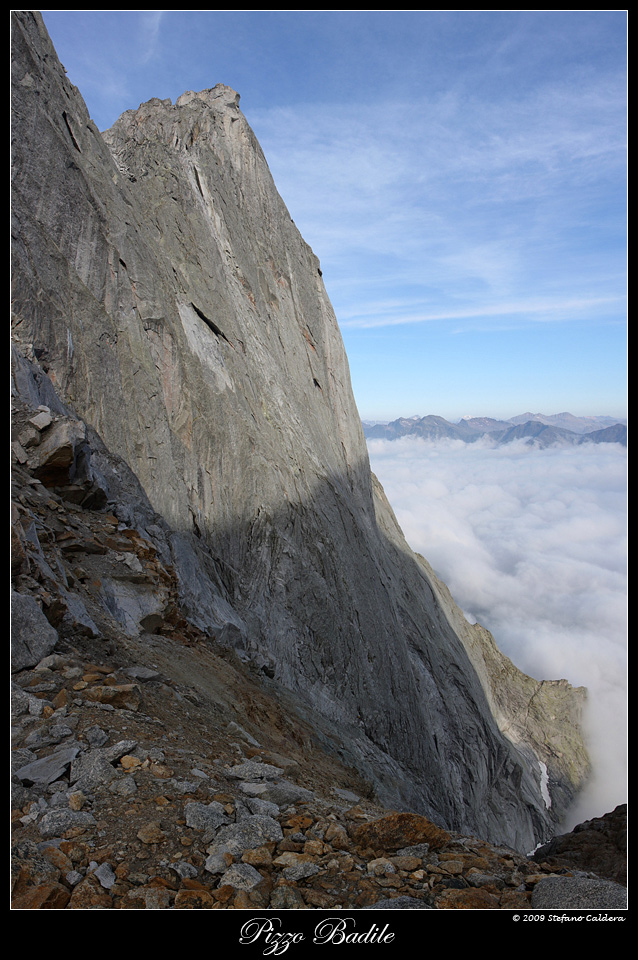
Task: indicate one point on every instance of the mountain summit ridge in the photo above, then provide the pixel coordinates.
(537, 429)
(165, 301)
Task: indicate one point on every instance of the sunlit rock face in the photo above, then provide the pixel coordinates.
(161, 285)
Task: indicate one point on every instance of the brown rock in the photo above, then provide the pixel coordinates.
(408, 864)
(125, 696)
(77, 800)
(318, 899)
(51, 896)
(284, 897)
(61, 699)
(190, 883)
(151, 832)
(89, 895)
(130, 763)
(337, 836)
(471, 899)
(399, 830)
(149, 897)
(195, 900)
(77, 852)
(58, 859)
(258, 857)
(515, 900)
(356, 813)
(315, 848)
(161, 771)
(224, 893)
(242, 901)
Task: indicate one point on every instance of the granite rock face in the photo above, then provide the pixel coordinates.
(164, 300)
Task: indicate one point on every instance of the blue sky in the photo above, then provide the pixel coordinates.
(460, 174)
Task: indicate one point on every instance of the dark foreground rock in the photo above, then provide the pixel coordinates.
(599, 844)
(581, 893)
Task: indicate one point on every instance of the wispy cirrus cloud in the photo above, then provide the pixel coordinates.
(150, 23)
(473, 202)
(539, 311)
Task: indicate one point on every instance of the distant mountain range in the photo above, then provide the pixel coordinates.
(536, 428)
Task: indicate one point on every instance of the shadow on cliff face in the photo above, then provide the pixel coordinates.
(337, 611)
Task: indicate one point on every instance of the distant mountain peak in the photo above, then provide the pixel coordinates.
(537, 428)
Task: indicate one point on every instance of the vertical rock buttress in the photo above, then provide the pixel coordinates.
(162, 285)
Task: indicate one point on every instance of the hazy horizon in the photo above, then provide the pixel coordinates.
(455, 418)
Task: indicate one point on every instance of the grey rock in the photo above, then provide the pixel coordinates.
(183, 869)
(578, 893)
(254, 789)
(48, 735)
(287, 897)
(248, 834)
(243, 810)
(36, 810)
(299, 871)
(53, 662)
(183, 786)
(42, 420)
(159, 275)
(400, 903)
(243, 734)
(346, 795)
(241, 876)
(253, 770)
(416, 850)
(282, 792)
(76, 619)
(92, 769)
(142, 673)
(124, 787)
(95, 736)
(32, 636)
(21, 757)
(483, 879)
(205, 816)
(23, 702)
(119, 750)
(264, 807)
(55, 823)
(52, 459)
(59, 799)
(216, 863)
(105, 874)
(48, 769)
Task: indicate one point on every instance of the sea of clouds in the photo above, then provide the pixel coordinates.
(532, 544)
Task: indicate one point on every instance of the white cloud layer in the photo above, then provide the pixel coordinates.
(532, 544)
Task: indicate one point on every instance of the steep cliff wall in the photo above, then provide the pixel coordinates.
(161, 284)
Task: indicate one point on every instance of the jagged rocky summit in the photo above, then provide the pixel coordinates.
(174, 327)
